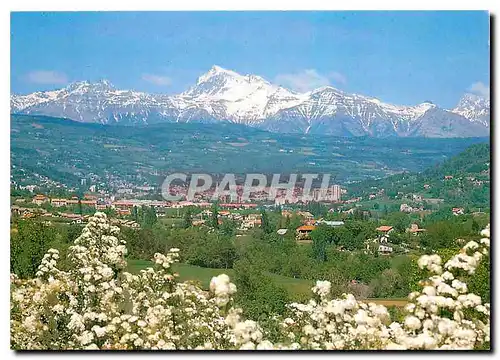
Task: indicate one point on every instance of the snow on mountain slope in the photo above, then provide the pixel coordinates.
(20, 102)
(224, 95)
(475, 108)
(237, 98)
(332, 111)
(96, 102)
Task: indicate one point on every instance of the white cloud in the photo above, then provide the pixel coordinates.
(480, 88)
(309, 79)
(337, 78)
(157, 79)
(47, 77)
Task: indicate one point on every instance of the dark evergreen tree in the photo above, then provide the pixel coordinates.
(215, 216)
(135, 214)
(265, 224)
(149, 217)
(188, 220)
(80, 210)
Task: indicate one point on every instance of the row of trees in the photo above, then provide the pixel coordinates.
(145, 216)
(261, 254)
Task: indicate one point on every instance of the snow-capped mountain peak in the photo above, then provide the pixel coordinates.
(85, 86)
(237, 98)
(420, 109)
(325, 88)
(224, 95)
(216, 71)
(222, 84)
(77, 85)
(474, 107)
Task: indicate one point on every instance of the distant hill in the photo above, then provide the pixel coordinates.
(473, 161)
(68, 150)
(463, 180)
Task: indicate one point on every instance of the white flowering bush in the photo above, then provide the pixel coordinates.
(97, 305)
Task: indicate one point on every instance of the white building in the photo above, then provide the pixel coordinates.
(385, 249)
(336, 193)
(405, 208)
(333, 193)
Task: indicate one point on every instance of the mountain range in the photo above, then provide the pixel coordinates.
(222, 95)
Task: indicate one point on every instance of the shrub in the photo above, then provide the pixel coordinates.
(96, 305)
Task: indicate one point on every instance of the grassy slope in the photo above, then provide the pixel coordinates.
(204, 275)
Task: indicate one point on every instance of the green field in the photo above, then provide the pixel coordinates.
(204, 275)
(171, 221)
(296, 287)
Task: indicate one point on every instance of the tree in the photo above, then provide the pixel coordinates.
(321, 236)
(359, 214)
(149, 217)
(215, 216)
(441, 234)
(287, 222)
(350, 240)
(475, 226)
(226, 252)
(110, 212)
(143, 243)
(228, 227)
(28, 246)
(266, 225)
(479, 282)
(73, 231)
(316, 208)
(188, 220)
(359, 290)
(80, 210)
(212, 251)
(258, 293)
(389, 284)
(295, 222)
(399, 220)
(135, 214)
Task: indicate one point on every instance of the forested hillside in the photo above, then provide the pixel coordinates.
(66, 151)
(461, 180)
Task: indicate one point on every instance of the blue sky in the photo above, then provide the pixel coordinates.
(398, 57)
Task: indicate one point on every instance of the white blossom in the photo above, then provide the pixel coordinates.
(97, 305)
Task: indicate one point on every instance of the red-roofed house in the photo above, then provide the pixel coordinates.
(385, 229)
(40, 199)
(414, 229)
(304, 232)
